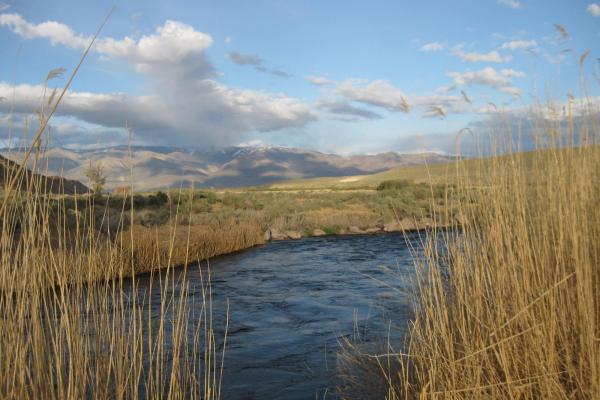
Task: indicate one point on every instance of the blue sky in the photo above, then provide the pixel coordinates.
(313, 74)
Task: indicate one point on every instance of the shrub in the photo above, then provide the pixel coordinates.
(158, 199)
(208, 195)
(394, 184)
(153, 217)
(332, 230)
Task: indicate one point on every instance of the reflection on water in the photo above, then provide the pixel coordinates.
(291, 302)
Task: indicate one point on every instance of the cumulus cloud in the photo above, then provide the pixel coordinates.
(431, 47)
(377, 93)
(175, 49)
(256, 62)
(488, 76)
(207, 113)
(593, 9)
(510, 3)
(346, 109)
(382, 94)
(519, 45)
(187, 106)
(56, 32)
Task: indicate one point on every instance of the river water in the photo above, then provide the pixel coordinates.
(292, 302)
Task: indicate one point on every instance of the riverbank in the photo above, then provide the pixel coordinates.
(169, 246)
(403, 225)
(156, 230)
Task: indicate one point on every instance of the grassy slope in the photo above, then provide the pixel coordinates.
(436, 173)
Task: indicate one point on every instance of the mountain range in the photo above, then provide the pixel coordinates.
(166, 167)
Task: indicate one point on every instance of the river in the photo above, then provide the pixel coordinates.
(292, 302)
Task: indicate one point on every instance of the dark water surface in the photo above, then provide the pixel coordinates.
(292, 302)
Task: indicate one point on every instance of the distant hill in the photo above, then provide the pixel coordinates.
(166, 167)
(48, 184)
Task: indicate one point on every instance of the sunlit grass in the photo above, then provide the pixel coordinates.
(507, 306)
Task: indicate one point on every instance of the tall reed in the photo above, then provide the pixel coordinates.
(508, 306)
(71, 325)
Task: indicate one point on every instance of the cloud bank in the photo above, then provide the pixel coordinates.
(186, 105)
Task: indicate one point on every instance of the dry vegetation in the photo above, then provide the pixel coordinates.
(67, 329)
(153, 248)
(509, 306)
(71, 326)
(300, 211)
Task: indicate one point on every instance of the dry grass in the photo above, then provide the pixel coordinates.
(153, 248)
(71, 326)
(509, 306)
(69, 329)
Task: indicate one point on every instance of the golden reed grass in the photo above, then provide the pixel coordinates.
(153, 248)
(508, 306)
(71, 326)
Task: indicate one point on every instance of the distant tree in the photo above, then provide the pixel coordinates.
(95, 173)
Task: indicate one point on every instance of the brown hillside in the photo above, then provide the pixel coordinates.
(48, 184)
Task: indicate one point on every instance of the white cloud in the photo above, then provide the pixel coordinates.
(511, 3)
(593, 9)
(4, 7)
(431, 47)
(488, 76)
(56, 32)
(188, 107)
(492, 56)
(383, 95)
(377, 93)
(209, 113)
(519, 45)
(174, 48)
(511, 73)
(228, 39)
(319, 80)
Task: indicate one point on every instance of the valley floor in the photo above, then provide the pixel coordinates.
(182, 227)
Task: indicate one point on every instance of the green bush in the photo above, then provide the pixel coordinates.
(158, 199)
(394, 184)
(208, 195)
(308, 232)
(332, 230)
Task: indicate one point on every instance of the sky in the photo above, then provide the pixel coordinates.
(341, 77)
